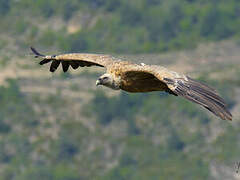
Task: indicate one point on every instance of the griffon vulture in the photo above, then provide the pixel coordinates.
(136, 78)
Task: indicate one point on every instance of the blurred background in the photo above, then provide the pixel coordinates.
(61, 127)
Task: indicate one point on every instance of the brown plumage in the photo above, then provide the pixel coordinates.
(136, 78)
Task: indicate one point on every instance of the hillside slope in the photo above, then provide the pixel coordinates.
(120, 26)
(60, 126)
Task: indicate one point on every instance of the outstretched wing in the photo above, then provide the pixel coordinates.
(74, 60)
(153, 78)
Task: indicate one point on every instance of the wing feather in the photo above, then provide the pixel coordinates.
(75, 60)
(74, 64)
(54, 65)
(184, 86)
(44, 61)
(203, 95)
(65, 66)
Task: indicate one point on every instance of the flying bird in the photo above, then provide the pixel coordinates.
(141, 78)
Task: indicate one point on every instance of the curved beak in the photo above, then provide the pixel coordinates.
(98, 82)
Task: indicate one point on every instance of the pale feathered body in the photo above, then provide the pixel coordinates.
(136, 78)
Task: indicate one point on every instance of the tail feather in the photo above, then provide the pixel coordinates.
(202, 94)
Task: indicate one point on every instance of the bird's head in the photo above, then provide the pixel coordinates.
(108, 81)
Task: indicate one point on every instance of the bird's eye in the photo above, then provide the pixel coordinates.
(105, 78)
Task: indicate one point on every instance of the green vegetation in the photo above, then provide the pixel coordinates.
(139, 26)
(13, 109)
(142, 158)
(57, 128)
(170, 143)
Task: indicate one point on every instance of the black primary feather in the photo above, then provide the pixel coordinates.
(37, 54)
(54, 65)
(44, 61)
(65, 66)
(202, 94)
(74, 64)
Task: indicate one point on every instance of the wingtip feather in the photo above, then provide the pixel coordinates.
(36, 53)
(202, 94)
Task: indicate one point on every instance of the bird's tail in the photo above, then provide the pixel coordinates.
(202, 94)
